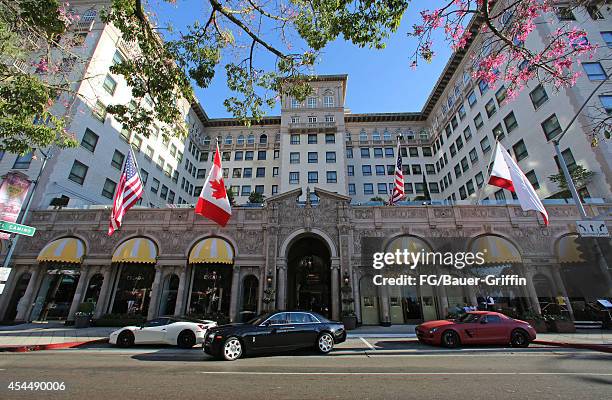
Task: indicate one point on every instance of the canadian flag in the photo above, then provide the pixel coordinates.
(213, 202)
(507, 174)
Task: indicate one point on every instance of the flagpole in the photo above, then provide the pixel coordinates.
(484, 183)
(138, 172)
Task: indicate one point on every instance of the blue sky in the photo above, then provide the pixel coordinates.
(378, 80)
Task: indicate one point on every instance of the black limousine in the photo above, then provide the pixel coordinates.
(274, 331)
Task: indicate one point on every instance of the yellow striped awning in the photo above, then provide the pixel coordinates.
(136, 250)
(496, 250)
(67, 250)
(212, 250)
(410, 243)
(568, 251)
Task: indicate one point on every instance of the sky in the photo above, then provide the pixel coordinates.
(378, 80)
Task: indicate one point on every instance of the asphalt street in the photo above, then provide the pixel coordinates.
(359, 369)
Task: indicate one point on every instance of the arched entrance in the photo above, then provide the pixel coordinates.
(211, 262)
(135, 259)
(167, 299)
(250, 294)
(62, 260)
(20, 289)
(309, 275)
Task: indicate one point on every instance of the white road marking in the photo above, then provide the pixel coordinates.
(367, 344)
(402, 373)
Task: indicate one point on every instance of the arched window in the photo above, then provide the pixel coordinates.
(89, 15)
(263, 139)
(207, 141)
(386, 135)
(328, 99)
(251, 139)
(376, 136)
(347, 136)
(219, 139)
(363, 136)
(240, 140)
(229, 139)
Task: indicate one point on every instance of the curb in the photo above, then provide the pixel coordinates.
(596, 347)
(50, 346)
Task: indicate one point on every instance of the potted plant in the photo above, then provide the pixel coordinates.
(82, 318)
(536, 320)
(560, 323)
(268, 297)
(349, 319)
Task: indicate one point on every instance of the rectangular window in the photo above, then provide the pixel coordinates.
(467, 133)
(312, 102)
(381, 188)
(520, 150)
(109, 85)
(245, 191)
(462, 193)
(594, 71)
(312, 138)
(471, 97)
(569, 159)
(483, 87)
(175, 176)
(78, 172)
(276, 154)
(108, 190)
(366, 170)
(329, 118)
(261, 154)
(313, 177)
(99, 111)
(330, 138)
(416, 169)
(154, 186)
(510, 122)
(160, 162)
(564, 14)
(551, 127)
(380, 170)
(260, 172)
(350, 170)
(607, 37)
(499, 195)
(294, 177)
(117, 160)
(462, 112)
(594, 12)
(490, 108)
(247, 173)
(459, 143)
(295, 138)
(473, 155)
(237, 173)
(606, 103)
(479, 179)
(90, 140)
(332, 177)
(478, 121)
(171, 195)
(259, 189)
(330, 157)
(485, 145)
(378, 152)
(349, 153)
(238, 156)
(23, 162)
(453, 150)
(533, 179)
(498, 132)
(328, 101)
(390, 153)
(365, 152)
(470, 186)
(294, 158)
(274, 171)
(427, 152)
(144, 175)
(118, 58)
(430, 169)
(248, 155)
(390, 169)
(500, 95)
(368, 188)
(413, 151)
(351, 189)
(274, 189)
(538, 96)
(464, 164)
(163, 193)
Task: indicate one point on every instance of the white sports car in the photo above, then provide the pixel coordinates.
(183, 333)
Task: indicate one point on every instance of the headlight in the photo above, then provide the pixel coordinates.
(211, 336)
(433, 330)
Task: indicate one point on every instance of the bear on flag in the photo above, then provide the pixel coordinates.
(213, 202)
(506, 174)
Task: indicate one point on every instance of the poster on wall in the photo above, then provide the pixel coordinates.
(13, 191)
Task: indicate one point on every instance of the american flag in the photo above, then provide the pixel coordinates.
(128, 192)
(398, 190)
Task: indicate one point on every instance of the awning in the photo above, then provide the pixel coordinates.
(410, 243)
(136, 250)
(67, 250)
(568, 251)
(212, 250)
(496, 250)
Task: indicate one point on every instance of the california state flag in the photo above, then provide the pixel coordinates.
(213, 202)
(507, 174)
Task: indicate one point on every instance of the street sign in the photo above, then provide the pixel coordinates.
(19, 229)
(592, 228)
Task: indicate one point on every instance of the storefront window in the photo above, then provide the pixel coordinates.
(210, 290)
(56, 292)
(133, 291)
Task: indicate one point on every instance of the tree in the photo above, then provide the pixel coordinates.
(580, 176)
(256, 198)
(230, 196)
(377, 198)
(269, 49)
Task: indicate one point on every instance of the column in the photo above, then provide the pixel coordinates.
(154, 300)
(180, 293)
(383, 295)
(9, 287)
(104, 291)
(356, 294)
(281, 282)
(472, 296)
(533, 295)
(234, 293)
(78, 293)
(23, 307)
(335, 288)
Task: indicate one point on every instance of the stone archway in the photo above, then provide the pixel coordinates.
(308, 274)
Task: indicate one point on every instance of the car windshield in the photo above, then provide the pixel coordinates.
(468, 318)
(258, 320)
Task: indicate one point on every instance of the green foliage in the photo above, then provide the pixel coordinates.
(377, 198)
(580, 175)
(256, 198)
(230, 196)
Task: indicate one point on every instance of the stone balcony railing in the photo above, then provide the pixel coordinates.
(312, 127)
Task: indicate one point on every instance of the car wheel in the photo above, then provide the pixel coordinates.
(450, 339)
(519, 339)
(232, 349)
(125, 339)
(186, 340)
(325, 343)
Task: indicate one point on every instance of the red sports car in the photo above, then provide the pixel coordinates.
(477, 327)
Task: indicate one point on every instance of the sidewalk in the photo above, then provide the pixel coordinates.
(49, 335)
